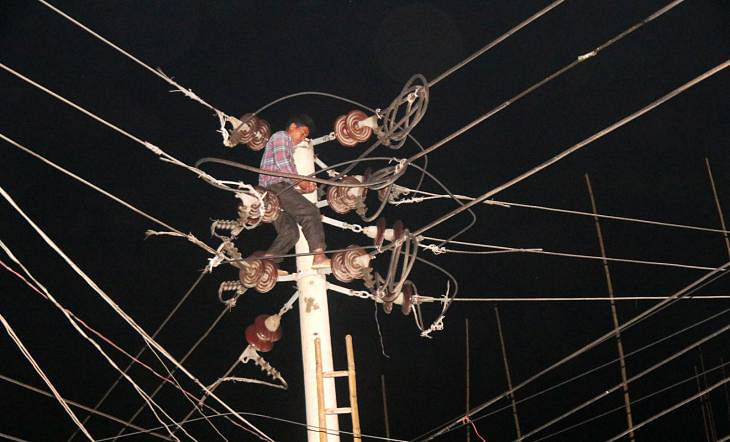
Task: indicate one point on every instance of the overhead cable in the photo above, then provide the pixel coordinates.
(80, 406)
(672, 408)
(510, 204)
(133, 324)
(633, 402)
(575, 147)
(567, 255)
(708, 277)
(495, 42)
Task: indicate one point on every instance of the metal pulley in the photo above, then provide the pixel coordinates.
(343, 199)
(354, 127)
(262, 334)
(352, 263)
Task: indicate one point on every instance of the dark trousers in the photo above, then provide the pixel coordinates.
(295, 210)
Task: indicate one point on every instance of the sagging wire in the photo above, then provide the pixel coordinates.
(509, 204)
(278, 419)
(75, 321)
(134, 359)
(629, 380)
(129, 320)
(633, 402)
(540, 251)
(76, 404)
(667, 301)
(575, 147)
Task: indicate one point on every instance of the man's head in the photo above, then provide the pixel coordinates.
(299, 127)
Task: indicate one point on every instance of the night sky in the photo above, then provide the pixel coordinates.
(241, 55)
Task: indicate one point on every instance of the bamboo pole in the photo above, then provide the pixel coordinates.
(702, 406)
(717, 204)
(354, 411)
(466, 337)
(614, 316)
(385, 407)
(515, 417)
(320, 391)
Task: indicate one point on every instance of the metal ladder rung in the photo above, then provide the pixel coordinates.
(340, 410)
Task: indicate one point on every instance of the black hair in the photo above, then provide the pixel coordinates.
(302, 120)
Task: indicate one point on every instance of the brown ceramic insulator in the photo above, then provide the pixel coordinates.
(352, 261)
(357, 132)
(272, 208)
(335, 201)
(380, 235)
(405, 308)
(243, 133)
(342, 133)
(268, 277)
(263, 331)
(339, 269)
(255, 341)
(340, 199)
(261, 134)
(398, 230)
(251, 272)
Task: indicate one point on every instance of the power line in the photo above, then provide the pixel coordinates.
(13, 438)
(628, 381)
(573, 148)
(695, 285)
(578, 298)
(672, 408)
(133, 324)
(599, 367)
(580, 59)
(142, 350)
(510, 204)
(495, 42)
(633, 402)
(78, 405)
(278, 419)
(566, 255)
(43, 376)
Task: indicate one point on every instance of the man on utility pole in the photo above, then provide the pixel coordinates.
(279, 157)
(287, 151)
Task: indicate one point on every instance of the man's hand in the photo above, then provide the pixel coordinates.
(306, 186)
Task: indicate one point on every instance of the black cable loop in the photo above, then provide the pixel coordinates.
(347, 100)
(415, 97)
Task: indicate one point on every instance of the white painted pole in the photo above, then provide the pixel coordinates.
(314, 321)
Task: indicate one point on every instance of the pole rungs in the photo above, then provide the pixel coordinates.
(340, 410)
(335, 374)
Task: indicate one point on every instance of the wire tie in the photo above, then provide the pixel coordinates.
(588, 55)
(153, 148)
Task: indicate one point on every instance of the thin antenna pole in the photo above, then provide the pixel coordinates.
(507, 372)
(614, 316)
(702, 406)
(717, 203)
(466, 337)
(385, 408)
(706, 398)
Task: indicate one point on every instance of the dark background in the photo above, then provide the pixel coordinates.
(241, 55)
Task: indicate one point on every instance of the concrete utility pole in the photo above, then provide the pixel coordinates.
(314, 320)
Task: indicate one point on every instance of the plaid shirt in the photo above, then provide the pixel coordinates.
(279, 157)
